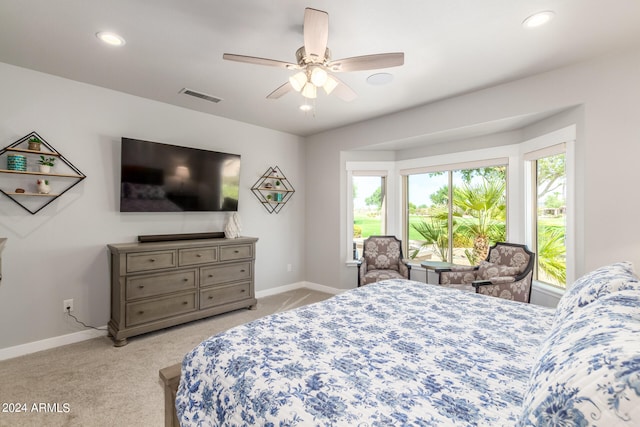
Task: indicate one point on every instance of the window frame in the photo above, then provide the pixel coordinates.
(533, 150)
(449, 169)
(383, 169)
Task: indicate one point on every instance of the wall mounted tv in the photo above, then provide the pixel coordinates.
(157, 177)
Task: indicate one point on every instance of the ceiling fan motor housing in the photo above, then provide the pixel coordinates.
(303, 59)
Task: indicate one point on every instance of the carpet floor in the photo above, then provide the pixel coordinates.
(93, 383)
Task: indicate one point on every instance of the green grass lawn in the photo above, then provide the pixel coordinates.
(371, 226)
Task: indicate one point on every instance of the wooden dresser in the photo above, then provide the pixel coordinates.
(160, 284)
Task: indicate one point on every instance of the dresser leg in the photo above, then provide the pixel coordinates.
(253, 307)
(120, 342)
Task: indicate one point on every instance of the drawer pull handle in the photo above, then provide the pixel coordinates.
(242, 290)
(198, 256)
(186, 279)
(242, 271)
(237, 251)
(152, 259)
(141, 312)
(210, 297)
(211, 275)
(185, 302)
(141, 286)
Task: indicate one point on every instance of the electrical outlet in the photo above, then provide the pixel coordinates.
(68, 303)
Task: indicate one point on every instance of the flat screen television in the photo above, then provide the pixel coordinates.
(157, 177)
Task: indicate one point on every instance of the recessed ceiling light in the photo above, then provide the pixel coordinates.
(379, 79)
(110, 38)
(538, 19)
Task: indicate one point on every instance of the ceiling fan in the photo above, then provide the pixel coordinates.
(315, 67)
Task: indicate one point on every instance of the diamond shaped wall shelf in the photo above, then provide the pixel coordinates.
(273, 189)
(25, 183)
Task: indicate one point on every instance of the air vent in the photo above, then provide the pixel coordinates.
(200, 95)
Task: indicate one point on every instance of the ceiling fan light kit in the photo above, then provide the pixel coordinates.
(298, 81)
(309, 91)
(314, 65)
(318, 76)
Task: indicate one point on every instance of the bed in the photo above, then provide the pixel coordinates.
(400, 352)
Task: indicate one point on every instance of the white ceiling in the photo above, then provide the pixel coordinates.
(451, 47)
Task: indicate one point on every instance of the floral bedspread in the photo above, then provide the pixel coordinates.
(396, 352)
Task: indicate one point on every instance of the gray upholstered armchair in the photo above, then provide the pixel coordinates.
(506, 273)
(382, 259)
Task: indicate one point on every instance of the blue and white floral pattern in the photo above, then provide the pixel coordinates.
(599, 282)
(396, 352)
(588, 370)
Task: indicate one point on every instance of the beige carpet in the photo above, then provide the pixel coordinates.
(96, 384)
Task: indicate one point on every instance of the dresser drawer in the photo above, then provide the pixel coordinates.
(145, 261)
(224, 294)
(197, 256)
(159, 308)
(159, 284)
(233, 252)
(225, 273)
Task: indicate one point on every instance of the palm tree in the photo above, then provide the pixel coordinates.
(484, 205)
(552, 253)
(434, 234)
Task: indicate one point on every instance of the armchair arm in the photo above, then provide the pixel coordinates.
(405, 268)
(362, 269)
(458, 275)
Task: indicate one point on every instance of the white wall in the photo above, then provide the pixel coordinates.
(60, 252)
(607, 148)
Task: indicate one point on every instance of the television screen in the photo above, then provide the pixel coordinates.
(158, 177)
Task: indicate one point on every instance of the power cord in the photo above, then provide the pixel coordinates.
(81, 322)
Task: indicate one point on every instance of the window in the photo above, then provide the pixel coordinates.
(369, 208)
(549, 214)
(456, 214)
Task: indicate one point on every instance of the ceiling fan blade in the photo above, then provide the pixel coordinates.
(316, 32)
(282, 90)
(343, 91)
(260, 61)
(368, 62)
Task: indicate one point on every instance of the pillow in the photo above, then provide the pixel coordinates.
(587, 372)
(488, 270)
(593, 285)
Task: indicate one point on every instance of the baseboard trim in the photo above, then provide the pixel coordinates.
(49, 343)
(298, 285)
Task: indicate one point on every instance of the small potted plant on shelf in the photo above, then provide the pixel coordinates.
(46, 163)
(34, 143)
(43, 186)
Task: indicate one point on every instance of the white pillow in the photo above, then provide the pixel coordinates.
(593, 285)
(588, 370)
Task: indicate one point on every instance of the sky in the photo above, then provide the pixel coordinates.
(419, 188)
